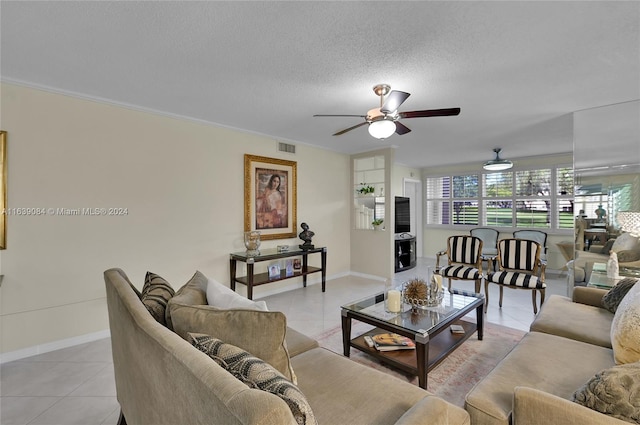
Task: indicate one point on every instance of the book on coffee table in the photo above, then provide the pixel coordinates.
(392, 342)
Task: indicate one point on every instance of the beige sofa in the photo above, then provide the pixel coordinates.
(580, 267)
(568, 344)
(162, 379)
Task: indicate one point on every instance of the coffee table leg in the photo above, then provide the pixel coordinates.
(422, 353)
(346, 335)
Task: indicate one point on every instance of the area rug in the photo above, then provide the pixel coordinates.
(457, 374)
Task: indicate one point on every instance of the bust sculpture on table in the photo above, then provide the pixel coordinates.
(306, 236)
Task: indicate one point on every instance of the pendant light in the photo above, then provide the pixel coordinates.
(497, 164)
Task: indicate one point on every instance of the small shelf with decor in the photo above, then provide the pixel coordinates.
(368, 185)
(405, 252)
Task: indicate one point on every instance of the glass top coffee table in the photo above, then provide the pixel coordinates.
(428, 327)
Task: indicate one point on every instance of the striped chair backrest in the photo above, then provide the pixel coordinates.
(464, 249)
(519, 254)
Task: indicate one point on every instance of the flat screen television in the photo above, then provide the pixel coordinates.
(403, 215)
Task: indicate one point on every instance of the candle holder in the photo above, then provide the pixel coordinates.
(392, 298)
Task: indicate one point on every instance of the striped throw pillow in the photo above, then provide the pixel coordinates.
(155, 295)
(255, 373)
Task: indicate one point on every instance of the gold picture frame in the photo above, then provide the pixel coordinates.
(270, 197)
(3, 189)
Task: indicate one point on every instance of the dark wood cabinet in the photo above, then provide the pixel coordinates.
(405, 252)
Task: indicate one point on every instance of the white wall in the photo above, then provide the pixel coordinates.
(181, 183)
(371, 250)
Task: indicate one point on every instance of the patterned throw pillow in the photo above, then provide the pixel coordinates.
(255, 373)
(614, 392)
(625, 328)
(612, 298)
(155, 295)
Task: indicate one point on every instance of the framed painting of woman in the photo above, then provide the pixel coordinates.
(270, 196)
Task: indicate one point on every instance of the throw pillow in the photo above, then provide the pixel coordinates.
(614, 296)
(606, 249)
(155, 295)
(625, 328)
(255, 374)
(261, 333)
(220, 296)
(194, 292)
(625, 242)
(629, 256)
(614, 392)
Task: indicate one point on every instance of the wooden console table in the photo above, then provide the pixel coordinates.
(252, 279)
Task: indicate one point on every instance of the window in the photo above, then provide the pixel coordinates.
(539, 198)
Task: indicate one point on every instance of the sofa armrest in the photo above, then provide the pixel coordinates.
(534, 407)
(433, 410)
(588, 295)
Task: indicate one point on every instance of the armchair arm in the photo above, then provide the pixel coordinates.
(543, 268)
(433, 410)
(589, 296)
(438, 255)
(534, 407)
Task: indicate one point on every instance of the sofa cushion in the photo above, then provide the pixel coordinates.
(342, 391)
(155, 295)
(528, 364)
(614, 392)
(255, 373)
(614, 296)
(625, 328)
(261, 333)
(220, 296)
(192, 293)
(561, 316)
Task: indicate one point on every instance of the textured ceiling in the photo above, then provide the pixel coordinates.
(516, 69)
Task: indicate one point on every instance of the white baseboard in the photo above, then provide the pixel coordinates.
(52, 346)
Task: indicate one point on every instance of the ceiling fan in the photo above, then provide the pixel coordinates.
(384, 121)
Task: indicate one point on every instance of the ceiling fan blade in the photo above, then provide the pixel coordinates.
(321, 115)
(394, 100)
(339, 133)
(430, 113)
(401, 128)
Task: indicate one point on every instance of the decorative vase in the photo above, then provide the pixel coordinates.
(252, 242)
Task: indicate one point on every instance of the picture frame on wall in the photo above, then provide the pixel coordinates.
(270, 186)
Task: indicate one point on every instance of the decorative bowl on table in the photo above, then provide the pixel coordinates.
(420, 294)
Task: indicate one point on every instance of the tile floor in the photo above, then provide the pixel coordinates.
(76, 386)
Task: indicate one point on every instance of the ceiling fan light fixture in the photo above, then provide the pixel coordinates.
(497, 164)
(383, 128)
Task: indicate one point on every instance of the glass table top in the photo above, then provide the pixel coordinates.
(421, 320)
(273, 253)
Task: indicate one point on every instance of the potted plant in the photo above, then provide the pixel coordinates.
(377, 223)
(365, 189)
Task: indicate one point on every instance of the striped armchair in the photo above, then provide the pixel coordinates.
(464, 255)
(519, 267)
